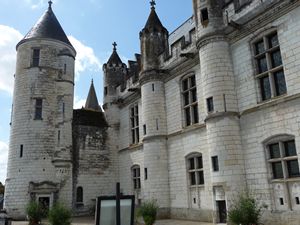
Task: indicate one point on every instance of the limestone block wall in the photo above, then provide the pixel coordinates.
(94, 166)
(275, 120)
(189, 202)
(174, 101)
(38, 138)
(244, 65)
(155, 142)
(128, 159)
(153, 108)
(217, 75)
(124, 138)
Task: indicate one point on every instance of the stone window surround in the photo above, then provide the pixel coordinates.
(136, 177)
(38, 108)
(258, 36)
(33, 62)
(280, 139)
(134, 124)
(193, 119)
(275, 139)
(197, 169)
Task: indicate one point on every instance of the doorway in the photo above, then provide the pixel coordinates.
(44, 202)
(222, 211)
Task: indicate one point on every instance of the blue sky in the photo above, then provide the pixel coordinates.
(92, 26)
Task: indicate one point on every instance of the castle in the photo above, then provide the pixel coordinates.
(203, 113)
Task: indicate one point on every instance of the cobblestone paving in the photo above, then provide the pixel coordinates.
(90, 221)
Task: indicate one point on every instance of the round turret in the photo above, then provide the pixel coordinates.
(222, 121)
(153, 43)
(39, 163)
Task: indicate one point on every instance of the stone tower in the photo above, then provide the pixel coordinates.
(39, 162)
(154, 42)
(114, 74)
(222, 121)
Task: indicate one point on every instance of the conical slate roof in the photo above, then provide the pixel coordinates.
(47, 27)
(153, 20)
(92, 101)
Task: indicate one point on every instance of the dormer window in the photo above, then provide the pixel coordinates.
(36, 57)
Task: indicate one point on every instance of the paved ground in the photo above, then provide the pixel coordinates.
(90, 221)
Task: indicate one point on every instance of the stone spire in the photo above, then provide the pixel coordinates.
(47, 27)
(92, 101)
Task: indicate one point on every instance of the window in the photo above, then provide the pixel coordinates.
(38, 109)
(146, 173)
(210, 104)
(204, 16)
(190, 104)
(215, 163)
(134, 120)
(65, 68)
(145, 129)
(136, 177)
(283, 159)
(35, 57)
(270, 73)
(195, 169)
(297, 201)
(21, 151)
(105, 91)
(79, 195)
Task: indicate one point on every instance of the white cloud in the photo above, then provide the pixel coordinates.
(79, 102)
(9, 37)
(86, 60)
(3, 160)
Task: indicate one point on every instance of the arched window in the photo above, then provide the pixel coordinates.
(195, 169)
(79, 195)
(136, 177)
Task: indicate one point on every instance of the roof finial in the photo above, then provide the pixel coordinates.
(152, 3)
(115, 46)
(50, 3)
(92, 81)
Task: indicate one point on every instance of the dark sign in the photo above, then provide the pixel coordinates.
(107, 210)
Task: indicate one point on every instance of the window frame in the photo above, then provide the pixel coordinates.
(134, 124)
(79, 195)
(35, 60)
(136, 177)
(215, 163)
(38, 109)
(197, 170)
(282, 158)
(192, 104)
(271, 71)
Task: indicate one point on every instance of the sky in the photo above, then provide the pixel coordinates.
(92, 26)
